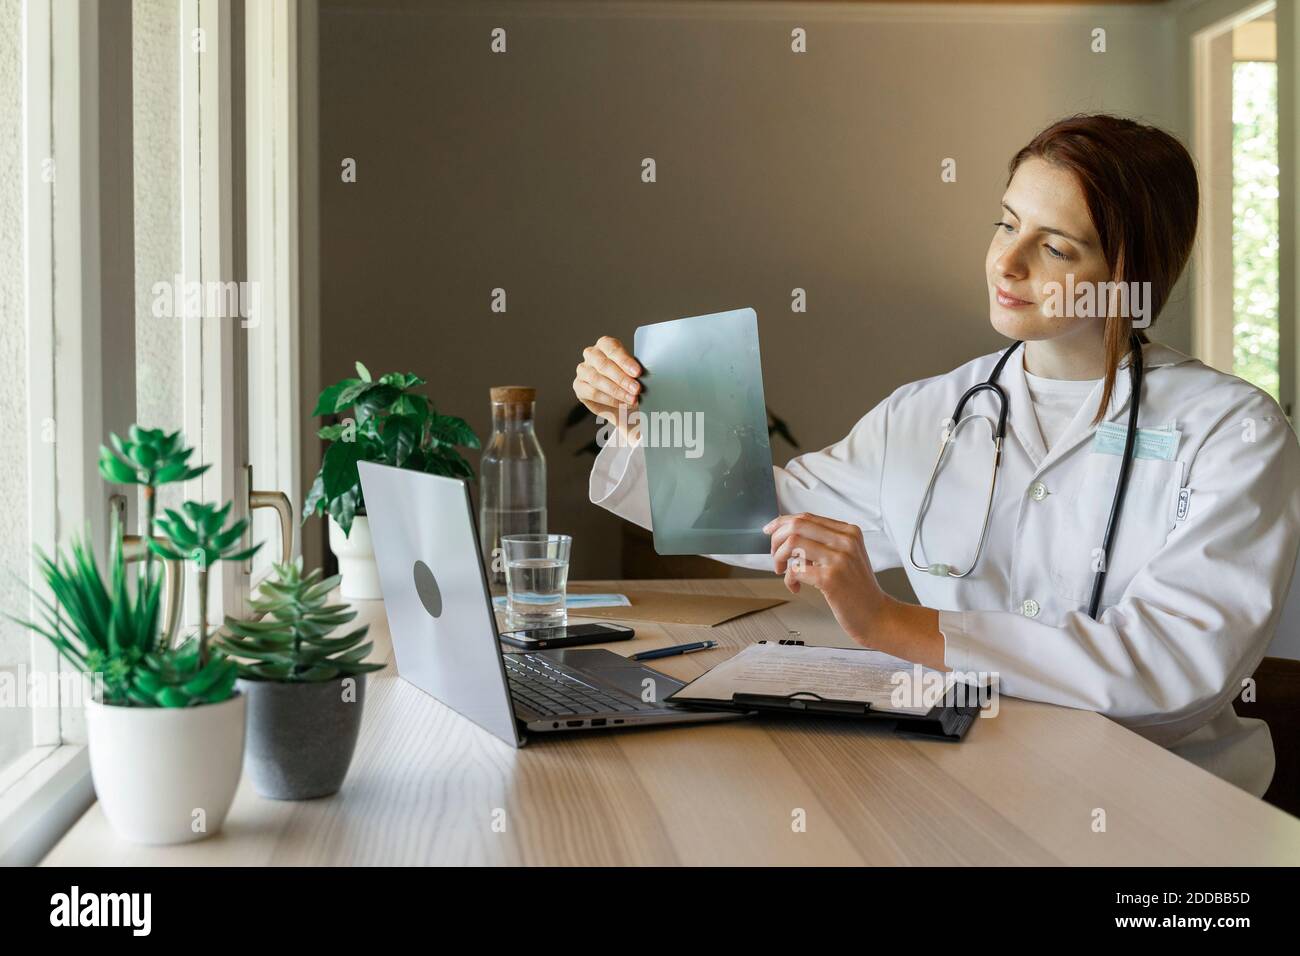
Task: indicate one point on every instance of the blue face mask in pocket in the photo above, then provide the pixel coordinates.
(1155, 444)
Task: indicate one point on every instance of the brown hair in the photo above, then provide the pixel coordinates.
(1140, 186)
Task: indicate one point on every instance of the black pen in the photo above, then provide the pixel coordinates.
(671, 651)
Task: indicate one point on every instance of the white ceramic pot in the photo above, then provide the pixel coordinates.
(356, 557)
(166, 774)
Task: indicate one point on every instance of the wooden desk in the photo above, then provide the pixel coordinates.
(1021, 789)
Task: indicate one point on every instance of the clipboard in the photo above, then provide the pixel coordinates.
(947, 719)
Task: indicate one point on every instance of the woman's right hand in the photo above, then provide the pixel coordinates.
(607, 378)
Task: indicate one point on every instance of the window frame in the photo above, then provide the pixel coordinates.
(273, 248)
(79, 308)
(1208, 31)
(78, 103)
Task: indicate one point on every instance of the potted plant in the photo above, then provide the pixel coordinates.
(165, 723)
(388, 424)
(305, 689)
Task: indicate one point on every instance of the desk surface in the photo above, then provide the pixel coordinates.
(427, 786)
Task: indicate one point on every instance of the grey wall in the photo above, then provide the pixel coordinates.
(775, 170)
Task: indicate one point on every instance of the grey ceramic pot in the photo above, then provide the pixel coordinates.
(300, 737)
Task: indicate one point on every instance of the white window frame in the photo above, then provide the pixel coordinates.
(304, 45)
(78, 108)
(1288, 155)
(38, 201)
(1211, 91)
(222, 402)
(80, 300)
(1211, 68)
(272, 210)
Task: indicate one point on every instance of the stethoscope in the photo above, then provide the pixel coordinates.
(998, 433)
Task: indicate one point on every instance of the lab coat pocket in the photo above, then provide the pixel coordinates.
(1148, 516)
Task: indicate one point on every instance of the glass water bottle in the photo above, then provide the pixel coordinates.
(512, 475)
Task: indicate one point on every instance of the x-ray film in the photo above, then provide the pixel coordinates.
(704, 427)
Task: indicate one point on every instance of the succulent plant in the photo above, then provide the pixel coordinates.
(111, 635)
(200, 535)
(148, 457)
(290, 642)
(178, 678)
(111, 631)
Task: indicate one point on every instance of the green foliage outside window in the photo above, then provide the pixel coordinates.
(1255, 224)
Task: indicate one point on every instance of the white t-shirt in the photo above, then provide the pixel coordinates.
(1056, 402)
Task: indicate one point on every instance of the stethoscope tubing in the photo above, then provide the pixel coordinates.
(999, 434)
(1135, 370)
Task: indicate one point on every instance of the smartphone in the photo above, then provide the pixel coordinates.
(535, 639)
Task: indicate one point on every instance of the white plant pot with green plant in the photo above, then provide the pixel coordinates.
(166, 775)
(305, 688)
(165, 724)
(380, 420)
(356, 556)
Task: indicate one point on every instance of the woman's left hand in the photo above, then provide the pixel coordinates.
(832, 557)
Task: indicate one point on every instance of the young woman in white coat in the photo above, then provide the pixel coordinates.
(1203, 551)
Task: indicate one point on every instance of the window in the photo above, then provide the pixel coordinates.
(275, 418)
(15, 534)
(1255, 205)
(105, 232)
(1237, 325)
(220, 373)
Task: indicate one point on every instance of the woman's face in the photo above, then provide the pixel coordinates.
(1044, 235)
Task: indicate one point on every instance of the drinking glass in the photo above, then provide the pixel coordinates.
(537, 571)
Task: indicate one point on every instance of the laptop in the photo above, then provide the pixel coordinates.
(444, 631)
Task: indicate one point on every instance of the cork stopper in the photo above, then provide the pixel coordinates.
(514, 394)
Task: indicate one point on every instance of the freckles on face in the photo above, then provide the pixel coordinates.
(1044, 235)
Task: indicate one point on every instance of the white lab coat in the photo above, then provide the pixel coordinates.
(1199, 566)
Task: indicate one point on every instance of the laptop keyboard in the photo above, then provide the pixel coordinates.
(549, 690)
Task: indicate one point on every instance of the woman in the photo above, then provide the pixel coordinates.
(1204, 550)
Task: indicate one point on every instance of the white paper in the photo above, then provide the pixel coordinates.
(887, 683)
